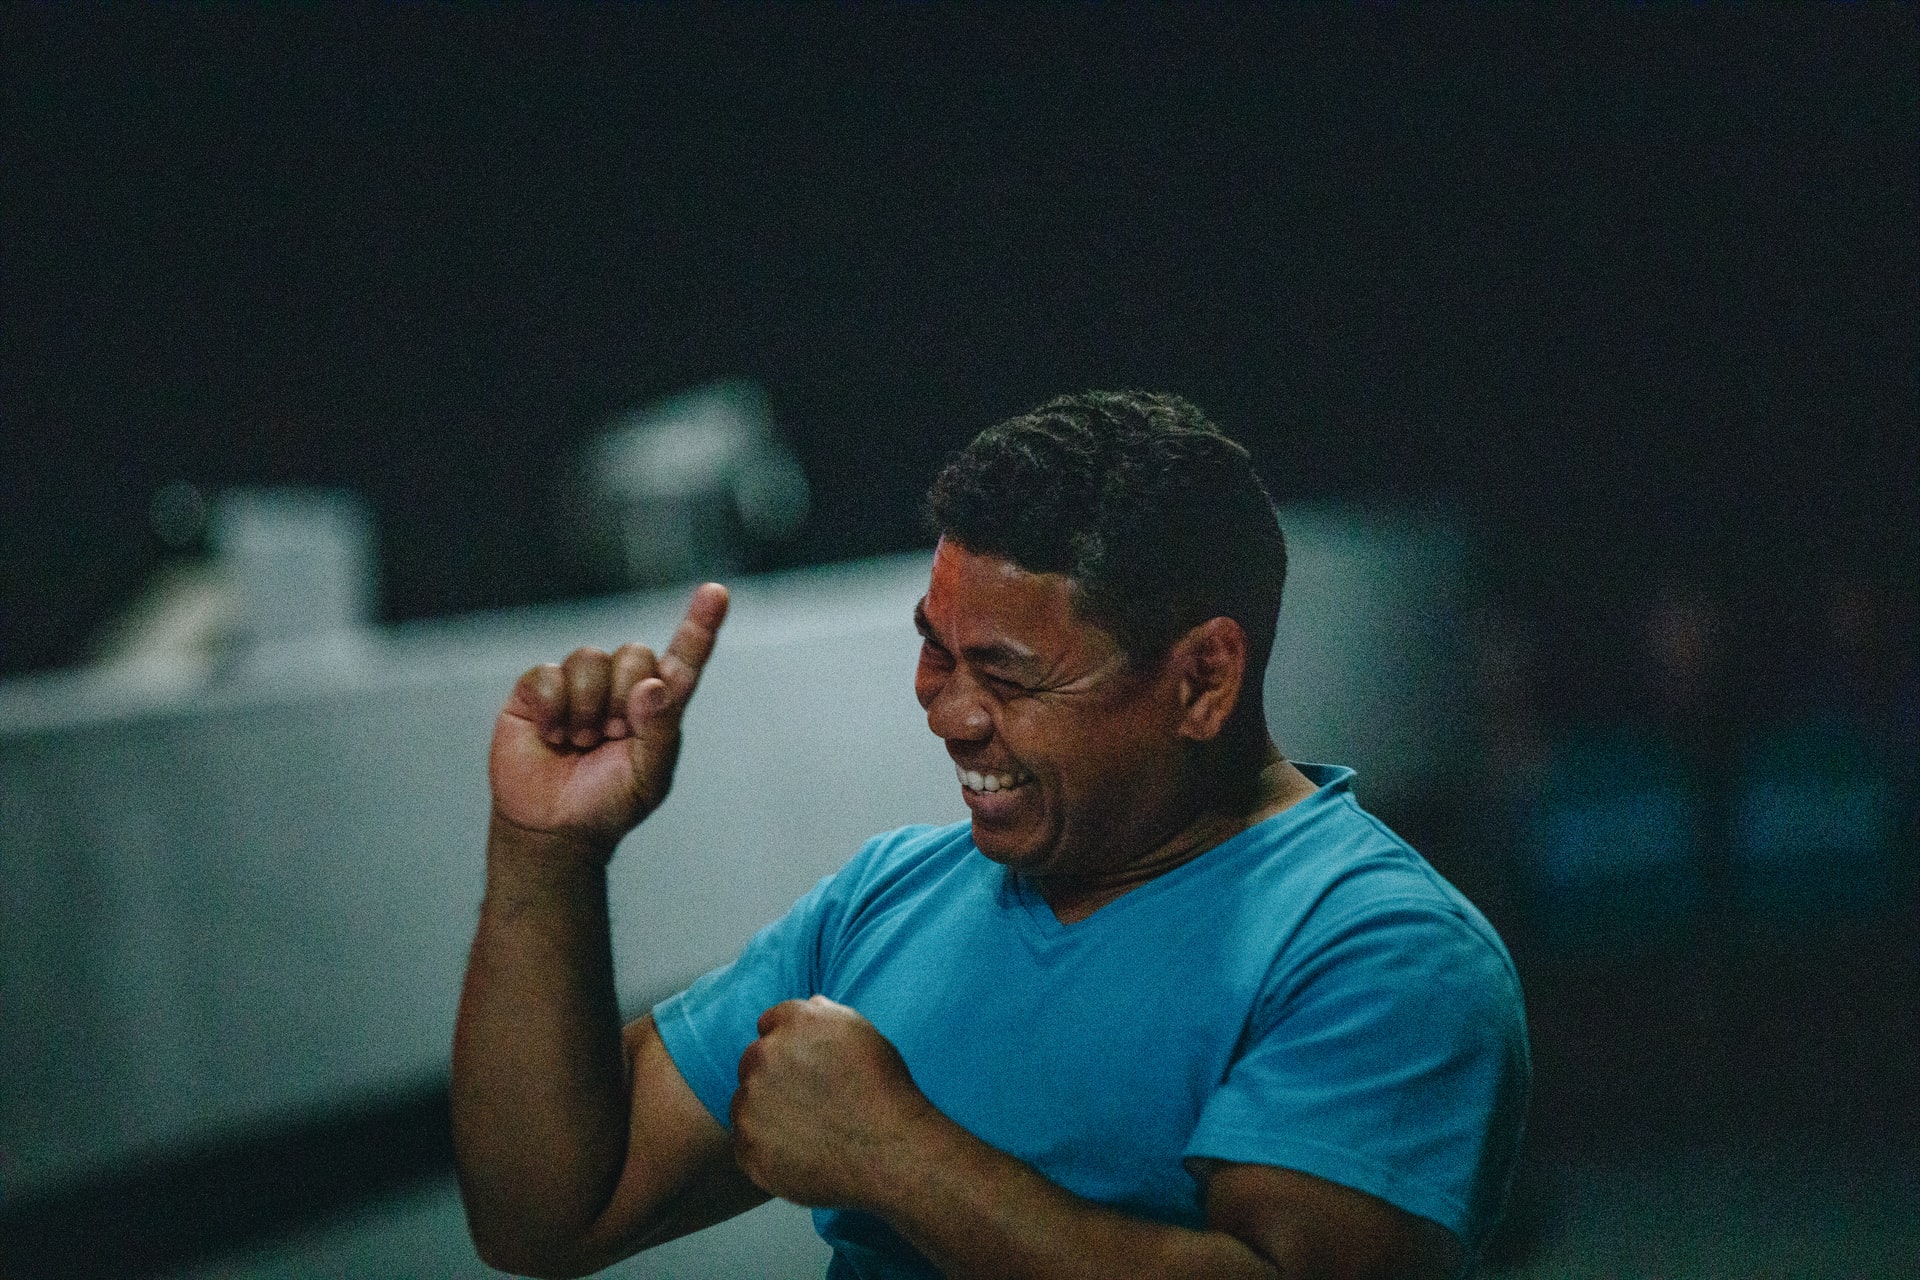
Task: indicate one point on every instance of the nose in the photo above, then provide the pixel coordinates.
(955, 710)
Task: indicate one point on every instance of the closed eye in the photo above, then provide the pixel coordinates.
(1005, 687)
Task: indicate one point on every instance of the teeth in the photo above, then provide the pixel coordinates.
(974, 780)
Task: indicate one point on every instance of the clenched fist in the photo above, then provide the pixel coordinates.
(826, 1113)
(585, 749)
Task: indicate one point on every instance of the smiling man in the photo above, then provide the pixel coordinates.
(1167, 1005)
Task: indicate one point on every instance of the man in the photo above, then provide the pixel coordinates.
(1168, 1005)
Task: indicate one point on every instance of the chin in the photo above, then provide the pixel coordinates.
(1003, 847)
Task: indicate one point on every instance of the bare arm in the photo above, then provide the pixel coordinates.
(978, 1213)
(578, 1142)
(827, 1114)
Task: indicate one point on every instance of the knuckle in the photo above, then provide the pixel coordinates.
(544, 683)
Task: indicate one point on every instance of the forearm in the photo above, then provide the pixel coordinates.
(540, 1091)
(977, 1212)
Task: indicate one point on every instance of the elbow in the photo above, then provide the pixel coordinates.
(525, 1232)
(517, 1258)
(519, 1249)
(502, 1252)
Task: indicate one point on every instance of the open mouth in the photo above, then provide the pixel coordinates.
(989, 783)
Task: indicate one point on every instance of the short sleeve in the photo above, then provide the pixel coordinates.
(709, 1025)
(1392, 1059)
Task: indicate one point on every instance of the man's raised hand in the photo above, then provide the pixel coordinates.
(585, 749)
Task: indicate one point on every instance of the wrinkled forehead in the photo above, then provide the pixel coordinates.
(978, 599)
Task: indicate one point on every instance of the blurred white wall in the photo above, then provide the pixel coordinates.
(1368, 669)
(253, 898)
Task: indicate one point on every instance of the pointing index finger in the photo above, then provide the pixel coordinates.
(692, 644)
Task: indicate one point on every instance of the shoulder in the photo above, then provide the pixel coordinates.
(903, 857)
(1363, 901)
(1386, 1050)
(902, 847)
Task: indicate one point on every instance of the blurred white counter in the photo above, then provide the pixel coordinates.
(253, 899)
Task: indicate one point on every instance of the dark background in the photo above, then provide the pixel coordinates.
(1632, 289)
(1628, 294)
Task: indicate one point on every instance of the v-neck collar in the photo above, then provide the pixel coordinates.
(1044, 928)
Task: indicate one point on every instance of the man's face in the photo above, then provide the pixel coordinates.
(1068, 759)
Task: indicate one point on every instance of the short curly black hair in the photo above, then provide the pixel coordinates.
(1155, 515)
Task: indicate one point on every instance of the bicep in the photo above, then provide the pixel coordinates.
(1311, 1229)
(679, 1175)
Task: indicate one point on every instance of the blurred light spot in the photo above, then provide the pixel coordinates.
(683, 488)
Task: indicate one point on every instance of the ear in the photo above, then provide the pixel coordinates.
(1211, 663)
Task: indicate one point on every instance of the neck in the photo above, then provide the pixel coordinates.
(1223, 803)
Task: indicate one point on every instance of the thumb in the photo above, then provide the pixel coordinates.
(653, 714)
(647, 701)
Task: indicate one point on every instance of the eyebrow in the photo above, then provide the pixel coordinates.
(999, 654)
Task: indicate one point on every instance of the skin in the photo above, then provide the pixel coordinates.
(579, 1142)
(1014, 681)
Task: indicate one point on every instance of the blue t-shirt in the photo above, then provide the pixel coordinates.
(1308, 994)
